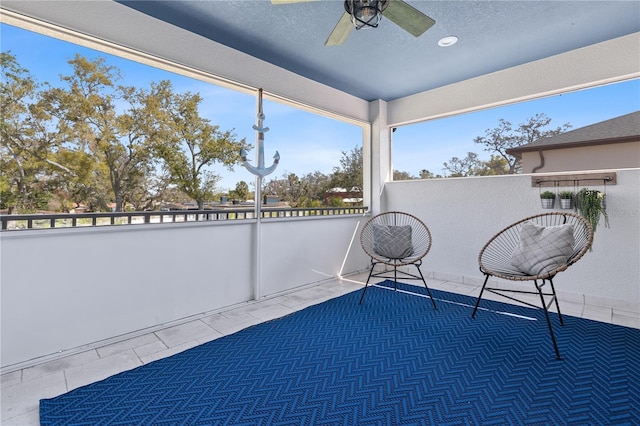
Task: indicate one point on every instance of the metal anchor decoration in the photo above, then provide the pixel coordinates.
(260, 169)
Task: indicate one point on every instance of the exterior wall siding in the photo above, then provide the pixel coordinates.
(619, 155)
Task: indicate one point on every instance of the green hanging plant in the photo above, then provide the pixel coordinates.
(566, 195)
(548, 195)
(591, 204)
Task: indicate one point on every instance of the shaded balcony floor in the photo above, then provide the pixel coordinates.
(22, 389)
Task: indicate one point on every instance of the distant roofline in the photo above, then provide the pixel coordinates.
(534, 148)
(622, 129)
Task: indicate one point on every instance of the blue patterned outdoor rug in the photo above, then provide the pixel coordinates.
(393, 360)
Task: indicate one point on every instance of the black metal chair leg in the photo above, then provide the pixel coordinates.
(486, 279)
(427, 287)
(546, 314)
(553, 290)
(364, 290)
(395, 277)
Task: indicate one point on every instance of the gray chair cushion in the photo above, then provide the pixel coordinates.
(542, 249)
(393, 242)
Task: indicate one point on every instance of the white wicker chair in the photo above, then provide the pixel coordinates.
(396, 239)
(496, 259)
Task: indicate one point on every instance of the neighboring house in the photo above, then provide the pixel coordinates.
(610, 144)
(351, 196)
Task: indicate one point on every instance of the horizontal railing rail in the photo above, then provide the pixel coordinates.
(17, 222)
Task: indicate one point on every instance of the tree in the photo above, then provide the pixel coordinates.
(400, 175)
(24, 152)
(289, 188)
(242, 190)
(349, 174)
(504, 136)
(495, 166)
(426, 174)
(189, 144)
(316, 184)
(113, 145)
(460, 167)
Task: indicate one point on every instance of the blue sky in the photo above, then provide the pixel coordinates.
(308, 142)
(434, 142)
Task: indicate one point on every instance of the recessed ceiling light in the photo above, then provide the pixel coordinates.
(447, 41)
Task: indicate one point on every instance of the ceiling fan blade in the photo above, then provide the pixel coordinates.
(408, 17)
(341, 31)
(290, 1)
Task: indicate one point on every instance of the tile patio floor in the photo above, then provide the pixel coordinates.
(22, 389)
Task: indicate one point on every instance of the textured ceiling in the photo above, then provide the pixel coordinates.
(388, 63)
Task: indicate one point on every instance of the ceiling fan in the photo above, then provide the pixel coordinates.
(367, 14)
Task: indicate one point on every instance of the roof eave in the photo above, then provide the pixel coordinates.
(519, 150)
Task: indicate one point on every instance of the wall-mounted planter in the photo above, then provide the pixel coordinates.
(547, 199)
(566, 199)
(566, 203)
(547, 203)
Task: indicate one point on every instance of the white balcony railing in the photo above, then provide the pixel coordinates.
(21, 222)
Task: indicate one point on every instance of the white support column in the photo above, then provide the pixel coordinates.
(379, 154)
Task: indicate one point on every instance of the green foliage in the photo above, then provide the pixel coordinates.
(349, 174)
(336, 202)
(426, 174)
(493, 167)
(566, 195)
(547, 195)
(591, 204)
(242, 190)
(400, 175)
(307, 202)
(22, 151)
(93, 141)
(190, 144)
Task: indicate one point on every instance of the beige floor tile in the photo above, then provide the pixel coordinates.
(21, 399)
(126, 345)
(29, 418)
(101, 369)
(270, 312)
(621, 318)
(11, 379)
(597, 313)
(149, 349)
(170, 351)
(58, 365)
(180, 334)
(230, 322)
(571, 308)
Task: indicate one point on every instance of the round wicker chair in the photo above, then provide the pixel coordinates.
(395, 239)
(528, 251)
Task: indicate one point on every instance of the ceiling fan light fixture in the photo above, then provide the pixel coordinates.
(365, 13)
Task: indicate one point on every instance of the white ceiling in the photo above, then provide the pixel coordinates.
(388, 63)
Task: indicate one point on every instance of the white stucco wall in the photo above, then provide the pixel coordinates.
(303, 252)
(464, 213)
(68, 288)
